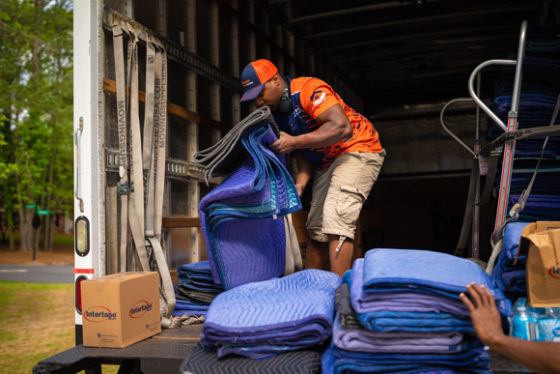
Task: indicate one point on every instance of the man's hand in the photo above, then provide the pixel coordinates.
(484, 314)
(284, 144)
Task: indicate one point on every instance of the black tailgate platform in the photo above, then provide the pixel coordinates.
(161, 354)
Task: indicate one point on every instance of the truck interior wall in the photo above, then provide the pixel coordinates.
(420, 198)
(419, 144)
(421, 213)
(399, 213)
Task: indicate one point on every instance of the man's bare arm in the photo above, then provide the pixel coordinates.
(542, 357)
(334, 127)
(305, 169)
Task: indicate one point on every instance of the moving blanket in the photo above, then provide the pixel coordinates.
(512, 237)
(189, 306)
(349, 334)
(347, 317)
(362, 340)
(424, 272)
(198, 277)
(510, 278)
(241, 218)
(336, 360)
(265, 318)
(422, 318)
(412, 311)
(204, 296)
(228, 152)
(196, 291)
(300, 362)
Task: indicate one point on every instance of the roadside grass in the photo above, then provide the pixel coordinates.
(36, 322)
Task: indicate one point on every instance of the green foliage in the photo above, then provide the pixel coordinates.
(35, 104)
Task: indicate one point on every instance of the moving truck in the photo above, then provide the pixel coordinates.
(202, 45)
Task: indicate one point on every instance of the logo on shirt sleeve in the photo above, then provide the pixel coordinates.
(318, 97)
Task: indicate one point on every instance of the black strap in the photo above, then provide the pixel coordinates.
(469, 206)
(486, 195)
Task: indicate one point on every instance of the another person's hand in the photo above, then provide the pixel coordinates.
(284, 144)
(484, 314)
(299, 189)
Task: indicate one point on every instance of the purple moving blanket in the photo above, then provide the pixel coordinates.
(363, 340)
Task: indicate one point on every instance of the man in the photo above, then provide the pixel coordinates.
(542, 357)
(327, 136)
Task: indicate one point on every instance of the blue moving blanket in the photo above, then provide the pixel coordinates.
(197, 289)
(191, 307)
(198, 277)
(536, 106)
(509, 277)
(435, 273)
(339, 361)
(265, 318)
(241, 218)
(407, 318)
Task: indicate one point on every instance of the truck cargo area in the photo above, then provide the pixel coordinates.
(396, 62)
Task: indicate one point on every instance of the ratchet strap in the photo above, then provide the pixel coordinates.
(141, 212)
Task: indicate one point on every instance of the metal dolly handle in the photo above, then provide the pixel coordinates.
(509, 147)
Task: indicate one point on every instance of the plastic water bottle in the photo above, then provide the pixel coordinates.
(549, 325)
(521, 322)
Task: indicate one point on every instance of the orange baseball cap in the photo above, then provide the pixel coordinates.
(254, 76)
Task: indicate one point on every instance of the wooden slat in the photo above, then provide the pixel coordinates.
(175, 222)
(174, 109)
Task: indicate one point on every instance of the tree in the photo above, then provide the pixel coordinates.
(36, 104)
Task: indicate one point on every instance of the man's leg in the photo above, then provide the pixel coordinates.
(316, 255)
(341, 260)
(352, 177)
(317, 252)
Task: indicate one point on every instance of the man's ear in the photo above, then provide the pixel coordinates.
(276, 80)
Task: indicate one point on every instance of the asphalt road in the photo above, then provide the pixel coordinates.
(37, 273)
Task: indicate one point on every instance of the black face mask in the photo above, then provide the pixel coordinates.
(285, 104)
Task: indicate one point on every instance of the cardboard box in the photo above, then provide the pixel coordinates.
(541, 242)
(120, 309)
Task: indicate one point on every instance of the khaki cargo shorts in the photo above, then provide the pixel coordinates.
(339, 193)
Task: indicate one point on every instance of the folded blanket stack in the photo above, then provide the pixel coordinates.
(197, 289)
(262, 319)
(242, 218)
(399, 311)
(202, 360)
(508, 275)
(539, 95)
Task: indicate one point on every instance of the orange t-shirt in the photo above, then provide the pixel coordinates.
(311, 97)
